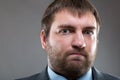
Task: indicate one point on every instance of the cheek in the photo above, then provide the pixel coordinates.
(60, 43)
(58, 48)
(92, 46)
(91, 49)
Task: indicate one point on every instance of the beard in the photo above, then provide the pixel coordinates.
(61, 63)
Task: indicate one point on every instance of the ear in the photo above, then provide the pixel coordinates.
(43, 39)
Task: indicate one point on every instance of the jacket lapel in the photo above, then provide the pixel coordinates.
(43, 75)
(97, 75)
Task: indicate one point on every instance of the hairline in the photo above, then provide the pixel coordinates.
(76, 13)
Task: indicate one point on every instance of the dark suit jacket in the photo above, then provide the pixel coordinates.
(96, 76)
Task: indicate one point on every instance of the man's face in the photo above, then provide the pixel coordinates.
(72, 41)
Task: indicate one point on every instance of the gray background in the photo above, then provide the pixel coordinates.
(20, 50)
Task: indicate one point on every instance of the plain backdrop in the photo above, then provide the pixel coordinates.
(20, 49)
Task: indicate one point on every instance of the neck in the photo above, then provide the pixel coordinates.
(71, 74)
(54, 75)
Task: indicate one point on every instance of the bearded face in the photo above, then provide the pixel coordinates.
(71, 44)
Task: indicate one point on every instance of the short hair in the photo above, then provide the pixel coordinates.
(74, 6)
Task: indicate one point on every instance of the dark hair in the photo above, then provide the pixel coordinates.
(74, 6)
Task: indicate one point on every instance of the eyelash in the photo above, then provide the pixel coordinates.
(65, 31)
(88, 32)
(68, 31)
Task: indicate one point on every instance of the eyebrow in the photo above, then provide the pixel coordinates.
(66, 26)
(90, 27)
(72, 27)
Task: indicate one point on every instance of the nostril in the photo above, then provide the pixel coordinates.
(78, 44)
(78, 47)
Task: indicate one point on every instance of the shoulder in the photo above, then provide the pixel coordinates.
(110, 77)
(97, 75)
(32, 77)
(39, 76)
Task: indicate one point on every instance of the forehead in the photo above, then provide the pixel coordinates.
(66, 17)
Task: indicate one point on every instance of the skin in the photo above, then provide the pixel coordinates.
(71, 44)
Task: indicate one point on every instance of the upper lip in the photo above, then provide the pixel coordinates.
(78, 53)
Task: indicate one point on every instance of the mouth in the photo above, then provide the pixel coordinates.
(77, 56)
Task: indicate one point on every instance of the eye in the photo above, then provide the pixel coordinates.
(88, 32)
(65, 31)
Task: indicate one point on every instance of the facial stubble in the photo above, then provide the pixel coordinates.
(59, 63)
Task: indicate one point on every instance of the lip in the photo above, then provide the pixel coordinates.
(78, 54)
(77, 57)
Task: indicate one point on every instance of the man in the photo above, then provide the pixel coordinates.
(69, 36)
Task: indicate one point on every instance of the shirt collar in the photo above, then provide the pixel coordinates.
(87, 76)
(54, 76)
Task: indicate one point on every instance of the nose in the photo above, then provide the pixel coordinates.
(78, 41)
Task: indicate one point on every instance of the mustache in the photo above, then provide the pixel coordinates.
(79, 52)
